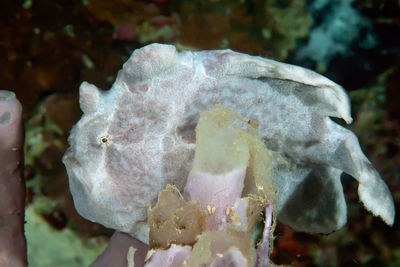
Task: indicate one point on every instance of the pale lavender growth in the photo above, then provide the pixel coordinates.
(263, 248)
(216, 193)
(174, 256)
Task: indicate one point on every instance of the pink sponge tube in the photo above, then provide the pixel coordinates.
(12, 184)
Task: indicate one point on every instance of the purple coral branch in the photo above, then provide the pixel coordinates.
(12, 184)
(263, 249)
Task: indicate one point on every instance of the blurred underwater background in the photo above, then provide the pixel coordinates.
(47, 48)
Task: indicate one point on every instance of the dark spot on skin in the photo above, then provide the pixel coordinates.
(307, 144)
(5, 118)
(286, 155)
(311, 143)
(271, 144)
(187, 130)
(181, 227)
(281, 167)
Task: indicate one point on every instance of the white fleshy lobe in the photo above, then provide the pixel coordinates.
(89, 97)
(139, 136)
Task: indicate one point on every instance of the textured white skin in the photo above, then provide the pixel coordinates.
(148, 119)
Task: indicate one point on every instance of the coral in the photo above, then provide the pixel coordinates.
(80, 45)
(334, 35)
(12, 184)
(135, 20)
(50, 247)
(256, 27)
(214, 191)
(138, 137)
(174, 221)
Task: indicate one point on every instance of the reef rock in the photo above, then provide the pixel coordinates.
(139, 136)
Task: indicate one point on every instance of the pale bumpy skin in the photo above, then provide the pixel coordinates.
(139, 136)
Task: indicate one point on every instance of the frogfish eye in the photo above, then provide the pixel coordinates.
(104, 140)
